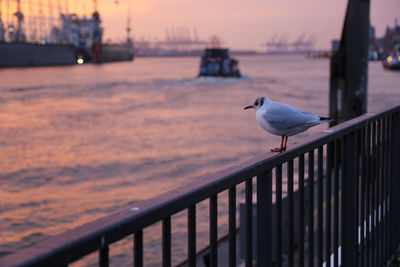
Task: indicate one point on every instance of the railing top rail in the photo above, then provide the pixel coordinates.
(76, 243)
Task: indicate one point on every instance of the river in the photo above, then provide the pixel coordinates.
(80, 142)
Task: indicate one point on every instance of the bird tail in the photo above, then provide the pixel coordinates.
(326, 119)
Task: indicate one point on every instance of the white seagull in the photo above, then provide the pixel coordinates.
(283, 120)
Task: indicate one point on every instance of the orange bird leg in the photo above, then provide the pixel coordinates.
(281, 148)
(284, 148)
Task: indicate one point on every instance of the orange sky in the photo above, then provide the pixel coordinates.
(240, 24)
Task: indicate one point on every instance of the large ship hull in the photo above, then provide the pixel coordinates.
(30, 54)
(115, 52)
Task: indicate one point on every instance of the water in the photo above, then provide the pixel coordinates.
(80, 142)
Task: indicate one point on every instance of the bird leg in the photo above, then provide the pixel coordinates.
(282, 148)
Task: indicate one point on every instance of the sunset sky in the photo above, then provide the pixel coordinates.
(240, 24)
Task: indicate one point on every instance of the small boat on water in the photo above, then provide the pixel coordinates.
(216, 62)
(392, 62)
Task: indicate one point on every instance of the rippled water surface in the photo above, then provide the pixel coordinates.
(78, 143)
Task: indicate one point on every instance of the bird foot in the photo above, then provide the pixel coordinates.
(278, 149)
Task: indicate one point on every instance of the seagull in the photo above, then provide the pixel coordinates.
(283, 120)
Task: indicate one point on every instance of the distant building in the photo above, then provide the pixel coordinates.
(389, 42)
(379, 48)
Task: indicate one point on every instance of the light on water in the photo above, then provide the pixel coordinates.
(79, 143)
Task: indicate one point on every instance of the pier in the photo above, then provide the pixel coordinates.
(358, 213)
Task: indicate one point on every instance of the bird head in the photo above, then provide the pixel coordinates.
(258, 103)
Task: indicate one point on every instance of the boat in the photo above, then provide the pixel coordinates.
(77, 40)
(216, 62)
(392, 62)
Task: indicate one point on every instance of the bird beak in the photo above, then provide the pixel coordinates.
(248, 107)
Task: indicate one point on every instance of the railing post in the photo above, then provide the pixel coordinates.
(192, 236)
(249, 222)
(264, 219)
(138, 249)
(349, 217)
(213, 231)
(166, 242)
(232, 226)
(394, 198)
(103, 256)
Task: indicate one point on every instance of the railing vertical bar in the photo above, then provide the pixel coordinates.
(232, 226)
(357, 150)
(214, 231)
(290, 214)
(336, 204)
(138, 248)
(166, 242)
(383, 192)
(395, 182)
(264, 219)
(374, 197)
(387, 177)
(278, 205)
(301, 211)
(378, 193)
(104, 256)
(348, 214)
(249, 222)
(329, 158)
(320, 173)
(362, 197)
(368, 196)
(192, 236)
(310, 185)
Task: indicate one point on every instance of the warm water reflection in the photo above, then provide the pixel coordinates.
(78, 143)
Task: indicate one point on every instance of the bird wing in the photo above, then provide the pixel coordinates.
(283, 117)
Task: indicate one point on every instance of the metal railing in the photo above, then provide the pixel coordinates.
(353, 169)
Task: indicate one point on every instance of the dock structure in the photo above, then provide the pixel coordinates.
(354, 221)
(349, 65)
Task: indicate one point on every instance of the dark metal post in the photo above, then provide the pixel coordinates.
(264, 219)
(301, 212)
(290, 214)
(310, 185)
(214, 231)
(192, 236)
(104, 257)
(349, 216)
(138, 249)
(278, 207)
(166, 242)
(232, 226)
(249, 222)
(394, 197)
(349, 65)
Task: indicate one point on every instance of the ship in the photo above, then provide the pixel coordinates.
(216, 62)
(77, 40)
(392, 62)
